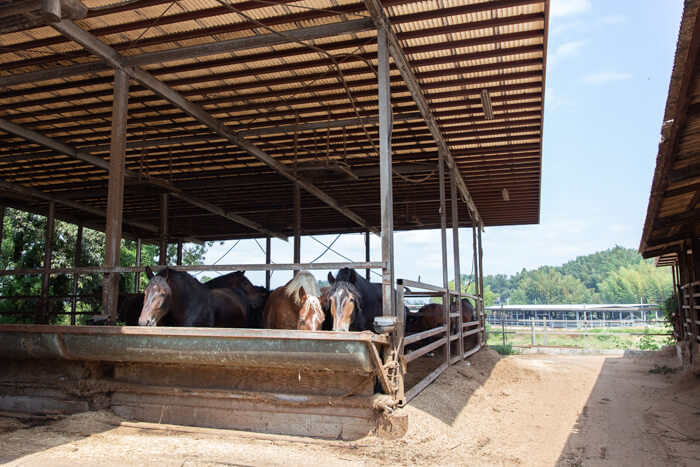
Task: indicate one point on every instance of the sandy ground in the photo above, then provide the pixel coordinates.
(519, 410)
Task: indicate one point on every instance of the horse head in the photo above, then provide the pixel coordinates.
(311, 315)
(345, 303)
(156, 301)
(256, 295)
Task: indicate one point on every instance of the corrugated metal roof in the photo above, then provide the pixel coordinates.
(456, 49)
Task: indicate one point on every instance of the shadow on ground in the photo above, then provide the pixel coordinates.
(641, 411)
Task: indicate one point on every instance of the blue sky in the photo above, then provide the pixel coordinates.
(608, 69)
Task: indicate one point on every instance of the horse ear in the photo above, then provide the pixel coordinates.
(302, 294)
(353, 276)
(331, 279)
(149, 273)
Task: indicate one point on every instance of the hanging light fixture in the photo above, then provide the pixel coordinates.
(505, 194)
(486, 104)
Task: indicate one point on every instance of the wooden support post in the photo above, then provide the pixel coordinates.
(268, 260)
(163, 231)
(385, 174)
(179, 252)
(297, 225)
(544, 332)
(585, 325)
(443, 245)
(455, 250)
(481, 286)
(115, 194)
(76, 263)
(532, 331)
(503, 328)
(42, 316)
(137, 275)
(367, 255)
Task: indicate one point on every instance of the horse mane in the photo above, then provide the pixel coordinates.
(302, 279)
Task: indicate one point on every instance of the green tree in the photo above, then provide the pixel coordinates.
(547, 286)
(630, 284)
(23, 248)
(593, 269)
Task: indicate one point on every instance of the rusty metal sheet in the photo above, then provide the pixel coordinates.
(348, 352)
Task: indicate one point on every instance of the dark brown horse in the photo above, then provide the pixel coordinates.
(353, 301)
(430, 316)
(295, 305)
(178, 299)
(256, 296)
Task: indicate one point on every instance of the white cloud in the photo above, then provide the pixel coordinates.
(614, 19)
(565, 50)
(604, 77)
(560, 8)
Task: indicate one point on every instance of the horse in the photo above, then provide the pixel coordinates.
(295, 305)
(129, 309)
(353, 301)
(178, 299)
(237, 280)
(430, 316)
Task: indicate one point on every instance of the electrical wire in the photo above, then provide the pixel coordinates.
(339, 254)
(222, 257)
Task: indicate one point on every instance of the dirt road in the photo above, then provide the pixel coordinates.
(519, 410)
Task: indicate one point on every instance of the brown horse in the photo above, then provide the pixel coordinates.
(295, 305)
(177, 299)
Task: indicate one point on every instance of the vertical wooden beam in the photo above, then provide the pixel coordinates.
(42, 316)
(179, 252)
(297, 225)
(137, 275)
(268, 260)
(385, 174)
(475, 259)
(367, 255)
(481, 286)
(163, 255)
(76, 263)
(455, 251)
(443, 244)
(115, 193)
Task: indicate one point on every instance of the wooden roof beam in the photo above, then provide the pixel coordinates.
(195, 51)
(103, 164)
(381, 21)
(112, 57)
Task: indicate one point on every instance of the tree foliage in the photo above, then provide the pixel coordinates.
(547, 285)
(23, 248)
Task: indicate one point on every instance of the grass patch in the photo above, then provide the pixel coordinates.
(505, 349)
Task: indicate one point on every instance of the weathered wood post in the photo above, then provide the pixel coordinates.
(385, 174)
(163, 231)
(443, 244)
(268, 260)
(42, 316)
(179, 252)
(482, 311)
(532, 330)
(585, 325)
(137, 275)
(297, 225)
(367, 254)
(544, 332)
(455, 251)
(115, 193)
(76, 263)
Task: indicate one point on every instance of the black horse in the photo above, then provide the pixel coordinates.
(353, 302)
(255, 295)
(178, 299)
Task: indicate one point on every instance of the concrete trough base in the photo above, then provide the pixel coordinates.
(309, 384)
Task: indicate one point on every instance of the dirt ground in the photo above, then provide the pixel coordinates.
(531, 410)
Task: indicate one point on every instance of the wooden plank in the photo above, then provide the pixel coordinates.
(415, 390)
(409, 357)
(423, 335)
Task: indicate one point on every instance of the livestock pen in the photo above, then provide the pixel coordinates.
(192, 121)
